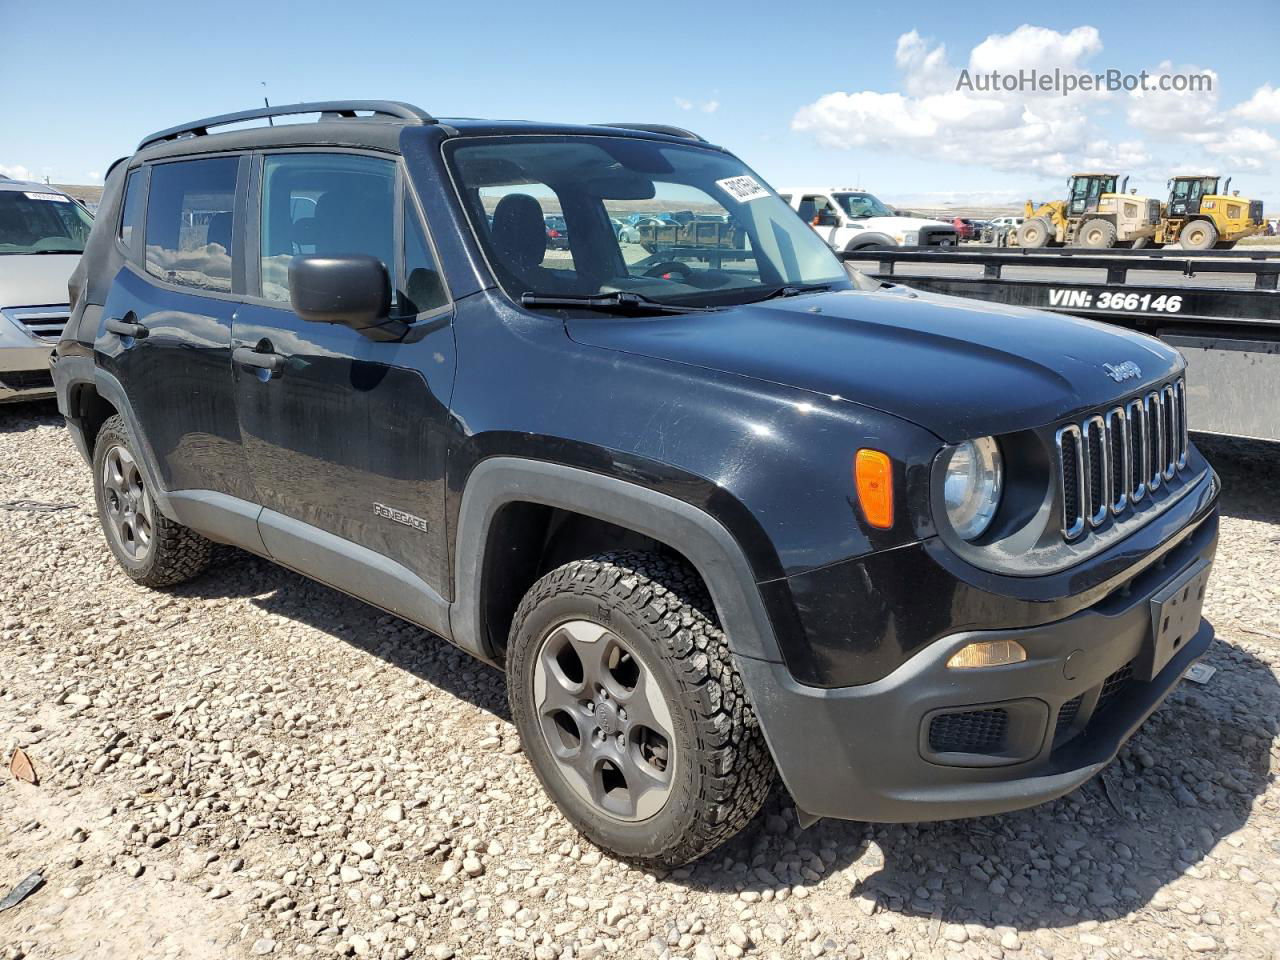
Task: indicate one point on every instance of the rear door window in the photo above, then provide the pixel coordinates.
(131, 218)
(327, 204)
(189, 222)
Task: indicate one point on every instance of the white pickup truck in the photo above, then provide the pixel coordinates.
(852, 219)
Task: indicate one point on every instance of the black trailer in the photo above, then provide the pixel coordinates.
(1220, 308)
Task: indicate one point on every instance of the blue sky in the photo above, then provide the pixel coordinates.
(806, 92)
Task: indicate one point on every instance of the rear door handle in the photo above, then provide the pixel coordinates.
(125, 328)
(273, 363)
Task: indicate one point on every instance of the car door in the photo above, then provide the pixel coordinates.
(166, 332)
(346, 436)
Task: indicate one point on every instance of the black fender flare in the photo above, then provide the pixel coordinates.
(703, 540)
(71, 372)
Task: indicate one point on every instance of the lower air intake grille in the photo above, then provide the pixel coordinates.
(1067, 714)
(978, 731)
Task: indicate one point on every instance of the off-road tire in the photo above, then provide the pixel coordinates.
(1035, 233)
(176, 554)
(1198, 235)
(660, 607)
(1096, 234)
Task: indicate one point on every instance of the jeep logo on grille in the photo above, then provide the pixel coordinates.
(399, 516)
(1120, 372)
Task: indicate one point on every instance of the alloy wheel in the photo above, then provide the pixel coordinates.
(604, 720)
(130, 509)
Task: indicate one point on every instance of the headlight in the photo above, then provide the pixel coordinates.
(974, 479)
(911, 238)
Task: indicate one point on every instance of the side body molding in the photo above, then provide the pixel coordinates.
(711, 549)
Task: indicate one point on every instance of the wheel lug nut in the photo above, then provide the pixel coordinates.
(622, 741)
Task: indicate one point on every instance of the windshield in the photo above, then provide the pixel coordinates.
(35, 222)
(680, 225)
(859, 206)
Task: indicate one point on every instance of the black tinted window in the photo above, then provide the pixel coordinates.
(189, 222)
(423, 288)
(325, 203)
(132, 215)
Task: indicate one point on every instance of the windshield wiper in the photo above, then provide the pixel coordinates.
(793, 290)
(621, 301)
(41, 253)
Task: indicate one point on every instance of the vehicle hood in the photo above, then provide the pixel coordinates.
(38, 281)
(960, 368)
(892, 225)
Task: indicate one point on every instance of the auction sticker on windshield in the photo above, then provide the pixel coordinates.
(55, 197)
(742, 188)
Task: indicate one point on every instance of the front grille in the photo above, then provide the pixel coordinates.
(1110, 461)
(26, 380)
(47, 323)
(977, 731)
(938, 236)
(1113, 687)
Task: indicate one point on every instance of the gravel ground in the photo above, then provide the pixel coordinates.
(256, 765)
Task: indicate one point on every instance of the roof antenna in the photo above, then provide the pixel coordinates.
(266, 103)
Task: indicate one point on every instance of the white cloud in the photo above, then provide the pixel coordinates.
(1179, 113)
(94, 176)
(1040, 132)
(706, 106)
(1031, 47)
(16, 172)
(1245, 147)
(1024, 131)
(1262, 107)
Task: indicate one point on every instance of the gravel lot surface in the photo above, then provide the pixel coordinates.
(255, 765)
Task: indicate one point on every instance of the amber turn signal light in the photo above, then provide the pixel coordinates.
(873, 476)
(987, 653)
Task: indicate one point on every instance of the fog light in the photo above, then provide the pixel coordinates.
(988, 653)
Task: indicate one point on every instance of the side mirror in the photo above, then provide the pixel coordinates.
(353, 290)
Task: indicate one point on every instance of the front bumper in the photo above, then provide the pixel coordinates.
(865, 753)
(24, 364)
(24, 373)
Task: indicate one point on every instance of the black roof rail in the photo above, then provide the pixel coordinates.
(329, 108)
(663, 128)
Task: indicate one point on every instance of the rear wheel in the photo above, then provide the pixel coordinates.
(1199, 235)
(1097, 234)
(631, 710)
(152, 549)
(1035, 233)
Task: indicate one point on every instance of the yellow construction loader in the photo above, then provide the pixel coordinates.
(1201, 218)
(1095, 214)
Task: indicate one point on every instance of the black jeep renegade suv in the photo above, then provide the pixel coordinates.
(716, 505)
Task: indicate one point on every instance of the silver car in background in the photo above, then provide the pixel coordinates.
(42, 234)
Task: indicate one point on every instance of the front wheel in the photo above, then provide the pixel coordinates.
(153, 550)
(631, 710)
(1199, 235)
(1097, 234)
(1035, 233)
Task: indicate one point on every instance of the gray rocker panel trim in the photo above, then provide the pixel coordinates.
(700, 537)
(351, 568)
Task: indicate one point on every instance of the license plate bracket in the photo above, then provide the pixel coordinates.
(1175, 619)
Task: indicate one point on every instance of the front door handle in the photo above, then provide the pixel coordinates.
(125, 328)
(273, 363)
